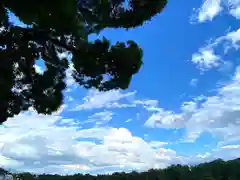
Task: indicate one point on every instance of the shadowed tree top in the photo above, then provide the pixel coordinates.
(58, 26)
(215, 170)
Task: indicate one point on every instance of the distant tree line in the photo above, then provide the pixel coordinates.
(215, 170)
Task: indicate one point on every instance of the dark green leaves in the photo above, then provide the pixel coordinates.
(119, 62)
(58, 26)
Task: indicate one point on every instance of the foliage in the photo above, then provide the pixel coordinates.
(59, 26)
(215, 170)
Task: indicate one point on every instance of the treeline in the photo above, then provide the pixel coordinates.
(215, 170)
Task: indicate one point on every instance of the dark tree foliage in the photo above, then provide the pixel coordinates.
(57, 26)
(215, 170)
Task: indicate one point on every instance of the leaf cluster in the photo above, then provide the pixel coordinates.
(53, 27)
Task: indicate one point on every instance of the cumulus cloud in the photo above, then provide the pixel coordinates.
(56, 144)
(34, 142)
(234, 8)
(235, 12)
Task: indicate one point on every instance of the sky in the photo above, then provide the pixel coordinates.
(183, 107)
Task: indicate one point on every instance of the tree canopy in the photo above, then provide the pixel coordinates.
(60, 26)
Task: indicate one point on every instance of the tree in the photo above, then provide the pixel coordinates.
(174, 172)
(3, 172)
(54, 27)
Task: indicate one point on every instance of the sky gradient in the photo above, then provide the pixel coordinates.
(182, 107)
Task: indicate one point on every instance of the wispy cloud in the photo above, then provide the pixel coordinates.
(193, 82)
(206, 57)
(212, 8)
(110, 99)
(197, 116)
(101, 117)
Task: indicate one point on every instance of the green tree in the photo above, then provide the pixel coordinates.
(3, 172)
(204, 171)
(59, 26)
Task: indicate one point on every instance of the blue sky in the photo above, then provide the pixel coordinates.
(182, 107)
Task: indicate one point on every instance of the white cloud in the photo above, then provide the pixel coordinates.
(217, 114)
(128, 120)
(109, 99)
(100, 118)
(157, 144)
(235, 12)
(234, 8)
(209, 10)
(38, 69)
(165, 119)
(149, 105)
(231, 147)
(147, 102)
(229, 40)
(206, 59)
(193, 82)
(204, 155)
(69, 78)
(33, 142)
(228, 151)
(234, 38)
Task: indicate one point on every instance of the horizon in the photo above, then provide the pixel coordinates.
(10, 173)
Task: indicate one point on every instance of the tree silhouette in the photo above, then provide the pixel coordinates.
(178, 172)
(54, 27)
